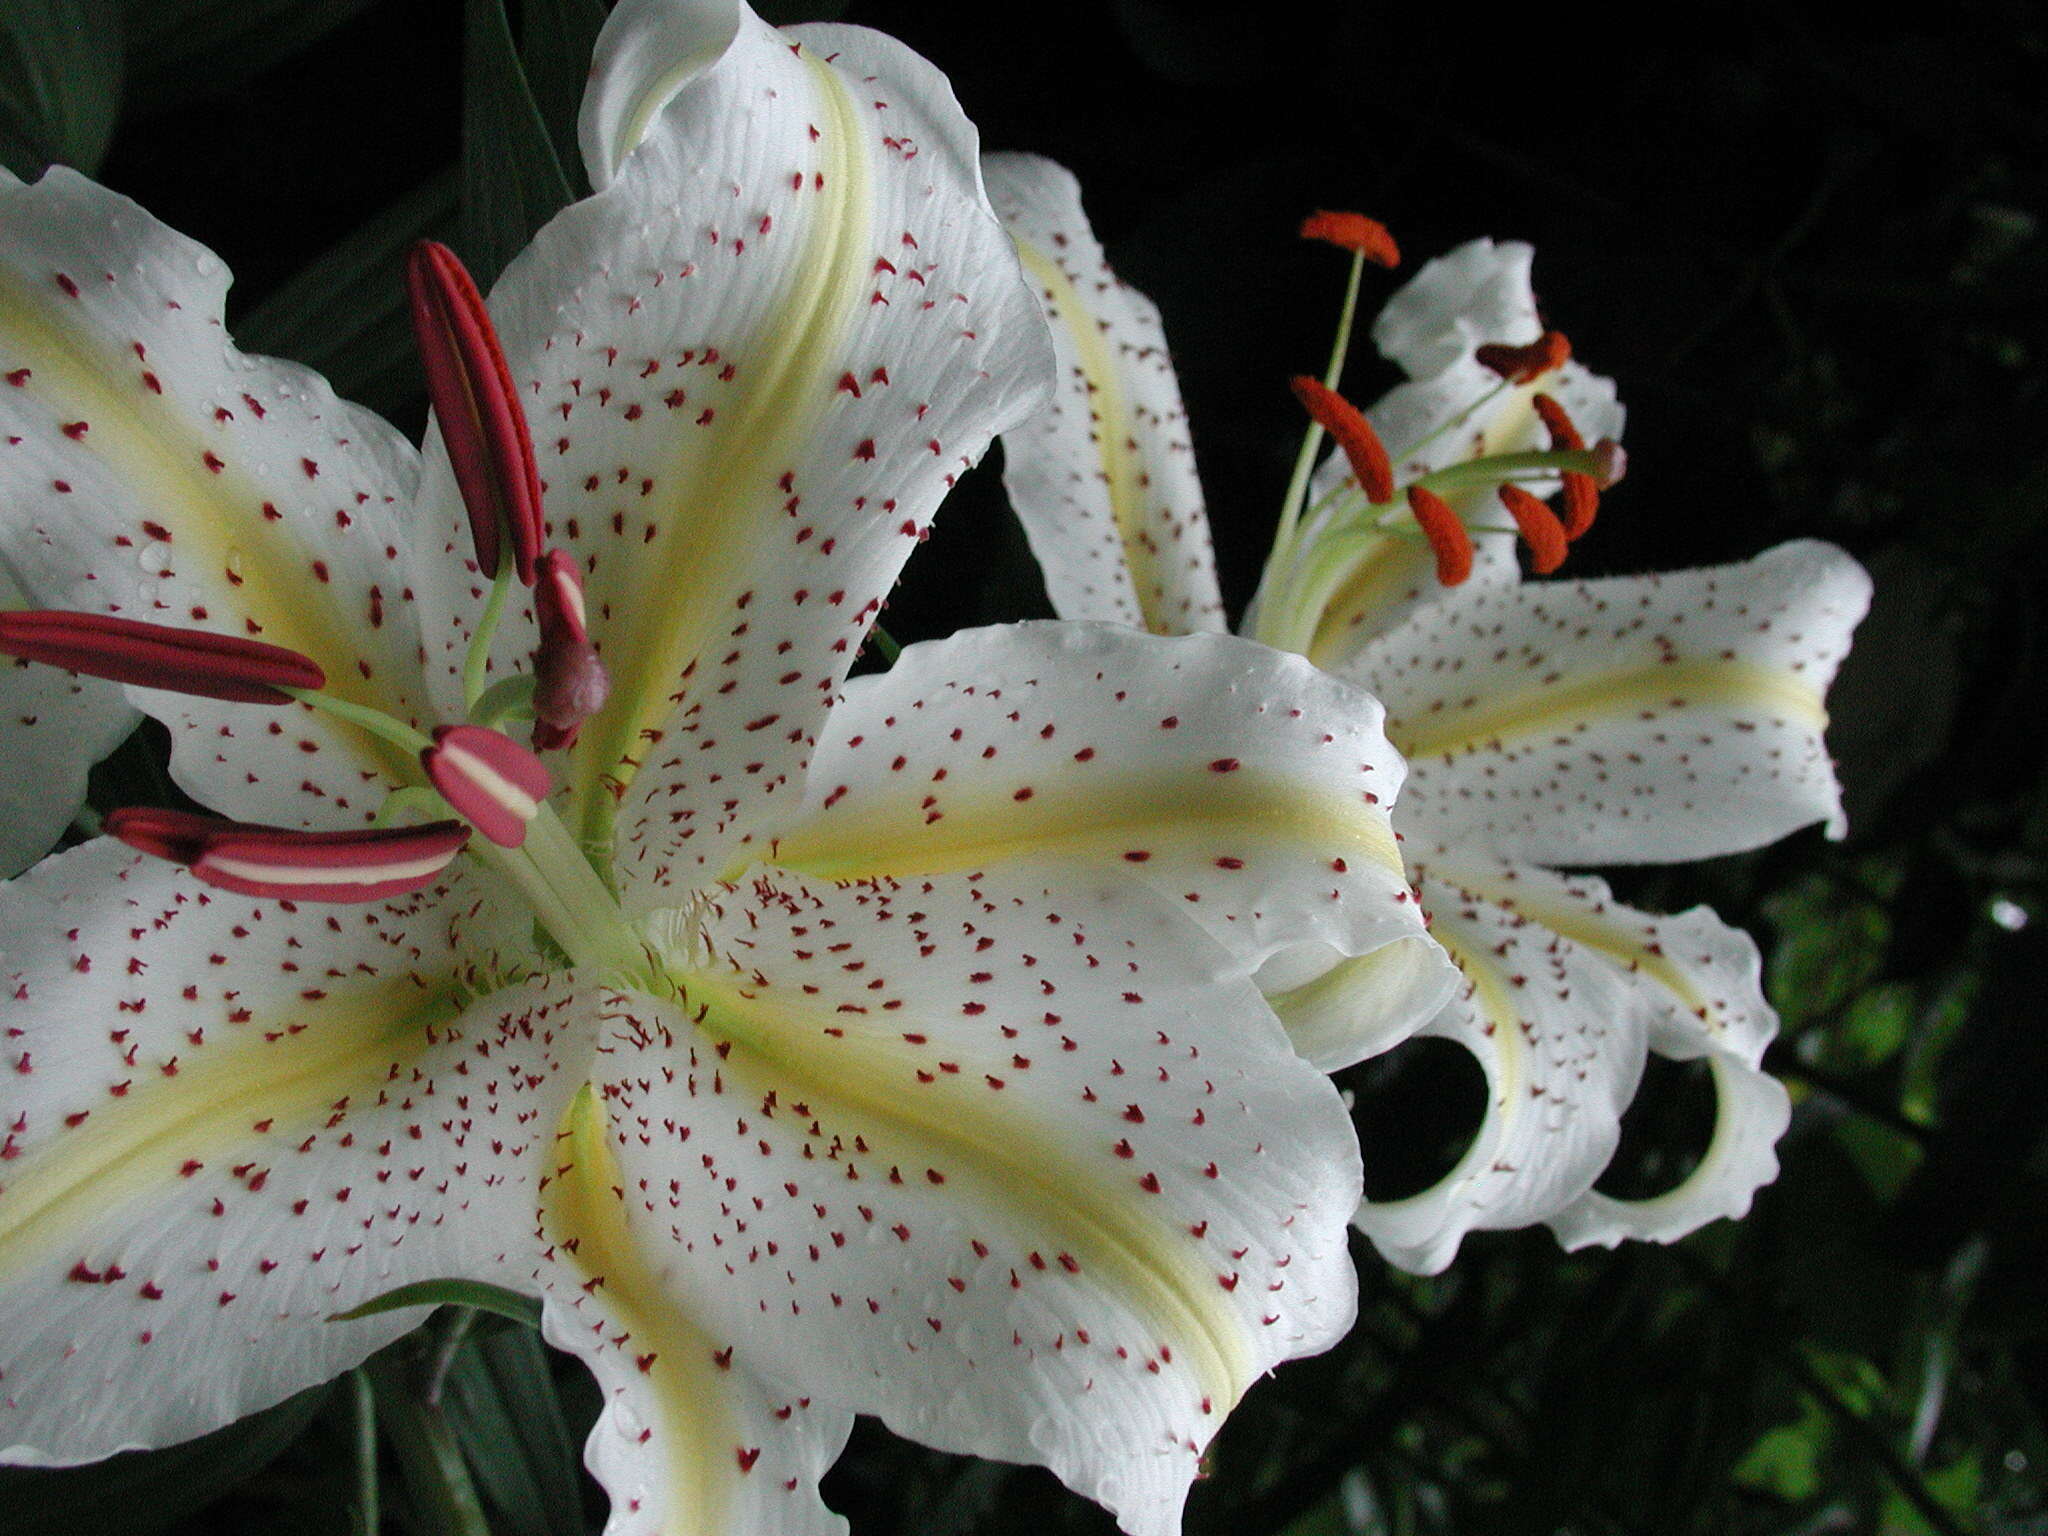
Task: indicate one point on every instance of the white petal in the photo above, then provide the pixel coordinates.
(1477, 293)
(224, 1120)
(56, 726)
(1103, 478)
(153, 471)
(647, 51)
(1630, 720)
(754, 364)
(691, 1437)
(1566, 992)
(1030, 1176)
(1239, 783)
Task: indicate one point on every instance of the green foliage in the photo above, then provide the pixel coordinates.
(512, 179)
(187, 50)
(60, 83)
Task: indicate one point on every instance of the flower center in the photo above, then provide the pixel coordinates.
(1333, 554)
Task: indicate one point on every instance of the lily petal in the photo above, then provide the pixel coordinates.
(1631, 720)
(647, 52)
(1566, 991)
(58, 725)
(692, 1437)
(1237, 782)
(224, 1120)
(747, 407)
(1030, 1176)
(1103, 478)
(158, 474)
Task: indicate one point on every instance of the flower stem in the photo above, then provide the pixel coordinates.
(429, 1460)
(368, 1513)
(478, 660)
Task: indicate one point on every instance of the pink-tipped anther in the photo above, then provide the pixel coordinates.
(1362, 447)
(195, 661)
(492, 781)
(1353, 232)
(1525, 364)
(570, 683)
(482, 424)
(369, 865)
(1611, 463)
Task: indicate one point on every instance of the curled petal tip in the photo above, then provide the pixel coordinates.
(1353, 232)
(492, 781)
(1612, 460)
(482, 424)
(192, 661)
(372, 864)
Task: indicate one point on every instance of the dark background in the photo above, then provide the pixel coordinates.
(1811, 255)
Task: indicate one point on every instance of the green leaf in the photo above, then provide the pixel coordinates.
(142, 1491)
(187, 50)
(511, 181)
(500, 1400)
(450, 1293)
(1786, 1461)
(555, 42)
(345, 313)
(60, 83)
(1831, 944)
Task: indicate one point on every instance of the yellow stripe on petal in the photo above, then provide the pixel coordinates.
(1122, 817)
(1117, 434)
(228, 1096)
(855, 1088)
(583, 1215)
(684, 583)
(1558, 709)
(213, 514)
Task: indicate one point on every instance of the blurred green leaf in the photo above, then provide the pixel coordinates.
(1887, 1158)
(141, 1491)
(186, 50)
(512, 182)
(1830, 946)
(345, 313)
(555, 42)
(453, 1293)
(1785, 1462)
(500, 1399)
(1958, 1486)
(60, 83)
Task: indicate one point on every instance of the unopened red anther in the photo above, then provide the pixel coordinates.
(1361, 445)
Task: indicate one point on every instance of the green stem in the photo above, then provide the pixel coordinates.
(1312, 439)
(509, 698)
(477, 662)
(374, 721)
(369, 1514)
(430, 1462)
(885, 643)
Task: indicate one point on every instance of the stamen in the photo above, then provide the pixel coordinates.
(1446, 534)
(1539, 526)
(482, 424)
(492, 781)
(1353, 232)
(570, 681)
(1362, 447)
(1525, 364)
(193, 661)
(368, 865)
(1581, 494)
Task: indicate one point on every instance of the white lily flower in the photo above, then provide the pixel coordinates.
(815, 1046)
(1546, 725)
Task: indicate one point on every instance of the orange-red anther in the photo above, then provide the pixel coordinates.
(1562, 433)
(1353, 232)
(1362, 447)
(1446, 534)
(1541, 530)
(1581, 502)
(1524, 365)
